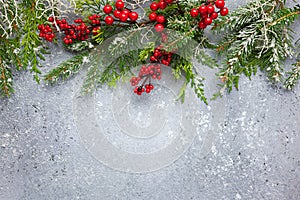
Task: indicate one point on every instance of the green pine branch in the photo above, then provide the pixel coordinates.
(258, 36)
(67, 69)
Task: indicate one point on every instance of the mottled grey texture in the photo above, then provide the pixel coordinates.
(256, 155)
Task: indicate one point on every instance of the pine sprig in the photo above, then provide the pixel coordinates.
(6, 87)
(67, 68)
(258, 36)
(294, 76)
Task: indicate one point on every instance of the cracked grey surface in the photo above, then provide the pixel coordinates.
(256, 155)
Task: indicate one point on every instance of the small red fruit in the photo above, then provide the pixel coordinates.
(202, 25)
(159, 28)
(162, 5)
(133, 16)
(210, 9)
(154, 6)
(202, 9)
(160, 19)
(208, 21)
(152, 16)
(214, 15)
(194, 12)
(50, 19)
(107, 9)
(123, 16)
(220, 3)
(224, 11)
(117, 13)
(119, 5)
(109, 20)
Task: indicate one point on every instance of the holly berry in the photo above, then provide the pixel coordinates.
(107, 9)
(117, 13)
(194, 12)
(214, 15)
(224, 11)
(160, 19)
(154, 6)
(50, 19)
(210, 9)
(123, 16)
(152, 16)
(162, 5)
(109, 20)
(119, 5)
(202, 25)
(220, 3)
(133, 16)
(159, 28)
(208, 21)
(202, 9)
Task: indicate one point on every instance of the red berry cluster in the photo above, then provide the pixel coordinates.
(160, 19)
(120, 13)
(46, 32)
(82, 29)
(146, 73)
(207, 12)
(161, 56)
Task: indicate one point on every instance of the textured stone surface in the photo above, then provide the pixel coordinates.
(255, 155)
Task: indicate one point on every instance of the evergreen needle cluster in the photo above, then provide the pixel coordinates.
(258, 36)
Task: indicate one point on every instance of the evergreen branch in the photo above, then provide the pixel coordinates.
(294, 76)
(258, 37)
(6, 85)
(67, 68)
(283, 18)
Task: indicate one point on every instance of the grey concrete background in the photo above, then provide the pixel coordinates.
(256, 154)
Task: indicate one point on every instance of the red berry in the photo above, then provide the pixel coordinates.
(159, 28)
(156, 54)
(214, 15)
(159, 77)
(154, 6)
(203, 15)
(151, 87)
(169, 1)
(220, 3)
(50, 19)
(126, 11)
(152, 16)
(160, 19)
(136, 89)
(194, 12)
(224, 11)
(133, 16)
(152, 58)
(117, 13)
(210, 9)
(107, 9)
(123, 16)
(202, 25)
(119, 5)
(162, 5)
(202, 9)
(208, 21)
(40, 26)
(109, 20)
(148, 90)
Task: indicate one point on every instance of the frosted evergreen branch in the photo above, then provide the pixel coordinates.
(294, 76)
(6, 79)
(67, 68)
